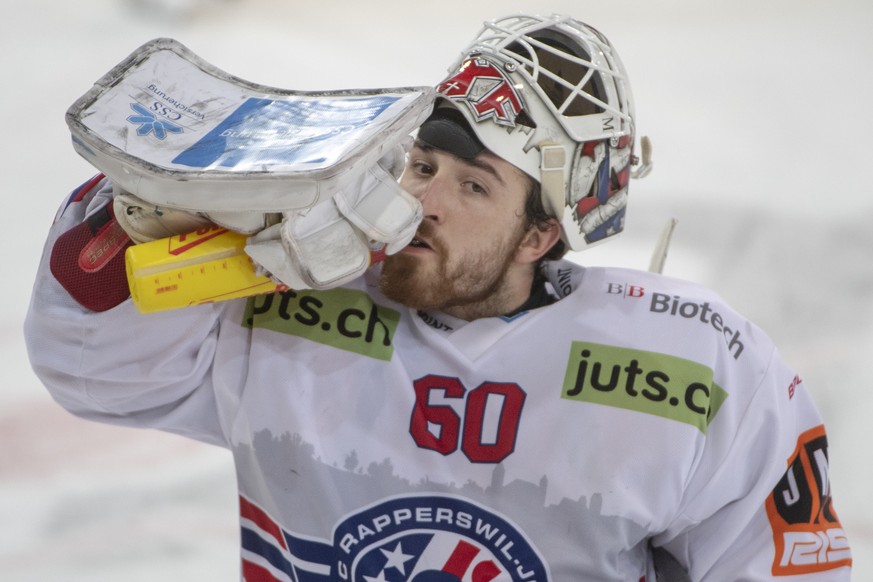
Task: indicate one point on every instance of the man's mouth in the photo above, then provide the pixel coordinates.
(419, 244)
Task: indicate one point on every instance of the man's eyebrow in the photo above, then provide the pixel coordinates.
(485, 166)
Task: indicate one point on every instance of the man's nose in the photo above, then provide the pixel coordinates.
(432, 197)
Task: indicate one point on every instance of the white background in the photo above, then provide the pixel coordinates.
(760, 117)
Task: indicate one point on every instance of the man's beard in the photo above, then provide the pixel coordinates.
(475, 279)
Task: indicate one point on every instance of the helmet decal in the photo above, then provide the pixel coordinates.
(482, 86)
(601, 212)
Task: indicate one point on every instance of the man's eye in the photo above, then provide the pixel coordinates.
(422, 168)
(475, 187)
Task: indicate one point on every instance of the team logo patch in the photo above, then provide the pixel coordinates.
(486, 90)
(648, 382)
(806, 530)
(343, 318)
(406, 539)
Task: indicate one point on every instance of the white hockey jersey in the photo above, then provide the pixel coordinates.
(376, 443)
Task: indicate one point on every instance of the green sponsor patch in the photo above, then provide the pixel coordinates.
(343, 318)
(648, 382)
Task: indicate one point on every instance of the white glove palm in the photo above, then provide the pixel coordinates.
(331, 243)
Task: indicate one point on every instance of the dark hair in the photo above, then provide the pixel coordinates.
(536, 216)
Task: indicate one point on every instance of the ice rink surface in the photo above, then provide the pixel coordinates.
(761, 120)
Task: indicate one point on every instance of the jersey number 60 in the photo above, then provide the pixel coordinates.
(489, 427)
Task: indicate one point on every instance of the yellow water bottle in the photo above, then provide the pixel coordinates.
(191, 269)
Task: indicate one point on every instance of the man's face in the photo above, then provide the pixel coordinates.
(465, 250)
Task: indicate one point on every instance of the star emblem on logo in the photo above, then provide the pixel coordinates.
(148, 123)
(396, 559)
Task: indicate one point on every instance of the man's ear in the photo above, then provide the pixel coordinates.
(537, 241)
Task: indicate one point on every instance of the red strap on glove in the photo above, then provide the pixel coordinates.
(88, 261)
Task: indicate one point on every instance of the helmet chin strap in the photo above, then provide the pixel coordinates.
(553, 160)
(645, 163)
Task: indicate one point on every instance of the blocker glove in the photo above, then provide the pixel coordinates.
(312, 175)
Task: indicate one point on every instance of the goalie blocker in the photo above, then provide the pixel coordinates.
(306, 171)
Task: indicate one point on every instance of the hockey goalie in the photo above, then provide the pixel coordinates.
(430, 391)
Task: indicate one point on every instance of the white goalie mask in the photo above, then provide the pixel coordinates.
(550, 96)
